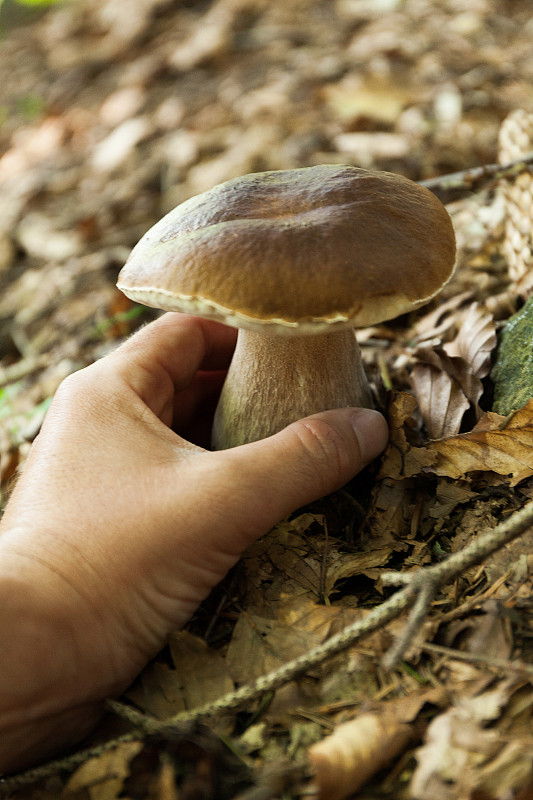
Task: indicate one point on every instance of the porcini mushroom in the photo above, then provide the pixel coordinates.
(295, 259)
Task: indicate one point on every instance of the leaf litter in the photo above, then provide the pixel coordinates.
(134, 112)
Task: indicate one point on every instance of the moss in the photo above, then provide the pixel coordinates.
(512, 373)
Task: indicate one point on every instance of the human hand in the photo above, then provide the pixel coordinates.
(120, 526)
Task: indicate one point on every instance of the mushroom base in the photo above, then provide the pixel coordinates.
(275, 380)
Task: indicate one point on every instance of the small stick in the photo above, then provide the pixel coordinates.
(422, 583)
(420, 587)
(426, 595)
(457, 185)
(500, 664)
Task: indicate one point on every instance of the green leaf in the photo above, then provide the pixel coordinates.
(38, 2)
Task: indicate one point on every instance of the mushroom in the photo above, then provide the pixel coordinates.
(296, 259)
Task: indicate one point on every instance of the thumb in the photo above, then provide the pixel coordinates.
(305, 461)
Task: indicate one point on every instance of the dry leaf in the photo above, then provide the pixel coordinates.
(506, 449)
(102, 777)
(293, 560)
(200, 671)
(488, 634)
(355, 751)
(346, 566)
(497, 444)
(288, 560)
(432, 325)
(448, 495)
(380, 99)
(211, 38)
(447, 380)
(439, 386)
(387, 519)
(261, 644)
(401, 459)
(475, 341)
(199, 676)
(466, 751)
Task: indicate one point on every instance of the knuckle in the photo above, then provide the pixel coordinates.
(330, 455)
(69, 387)
(77, 391)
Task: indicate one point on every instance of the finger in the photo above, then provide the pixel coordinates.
(163, 357)
(307, 460)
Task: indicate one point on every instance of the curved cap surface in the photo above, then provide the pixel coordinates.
(297, 251)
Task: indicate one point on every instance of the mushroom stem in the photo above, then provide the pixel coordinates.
(275, 380)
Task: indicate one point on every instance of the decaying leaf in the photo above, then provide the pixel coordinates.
(102, 777)
(356, 750)
(433, 324)
(467, 755)
(502, 445)
(260, 644)
(440, 384)
(401, 459)
(188, 765)
(447, 379)
(448, 495)
(388, 516)
(487, 635)
(294, 559)
(199, 676)
(475, 340)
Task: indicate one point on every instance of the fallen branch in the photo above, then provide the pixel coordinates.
(457, 185)
(418, 590)
(487, 662)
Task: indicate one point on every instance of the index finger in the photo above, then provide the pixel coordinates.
(163, 357)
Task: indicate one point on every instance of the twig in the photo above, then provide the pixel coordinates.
(425, 582)
(476, 600)
(457, 185)
(131, 715)
(422, 583)
(426, 595)
(500, 664)
(67, 764)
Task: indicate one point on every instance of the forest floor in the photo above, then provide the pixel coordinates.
(113, 112)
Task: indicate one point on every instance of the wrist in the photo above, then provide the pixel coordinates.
(42, 701)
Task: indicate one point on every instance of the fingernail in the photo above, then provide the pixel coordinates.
(371, 430)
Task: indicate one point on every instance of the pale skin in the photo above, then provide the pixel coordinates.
(120, 526)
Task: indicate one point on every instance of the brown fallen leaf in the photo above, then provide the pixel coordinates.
(487, 635)
(401, 459)
(448, 495)
(440, 384)
(467, 752)
(447, 380)
(433, 324)
(211, 38)
(260, 644)
(343, 762)
(475, 340)
(199, 676)
(380, 99)
(506, 448)
(295, 559)
(502, 445)
(391, 508)
(102, 777)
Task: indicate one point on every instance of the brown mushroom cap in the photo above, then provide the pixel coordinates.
(297, 251)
